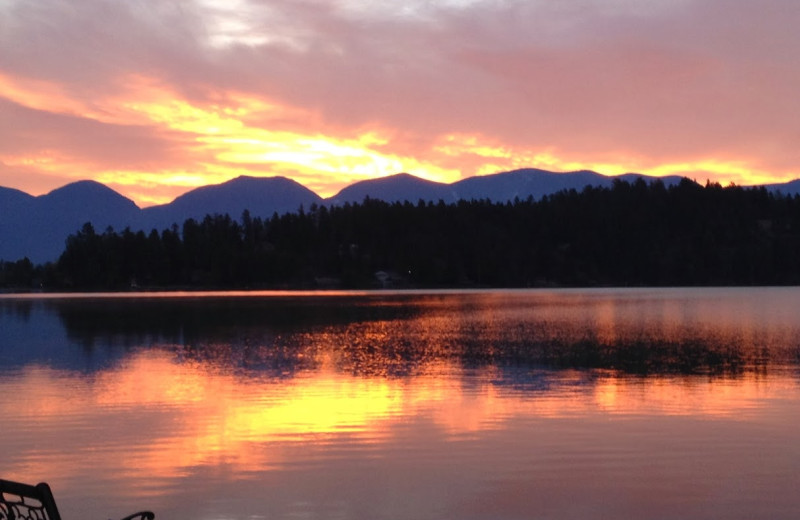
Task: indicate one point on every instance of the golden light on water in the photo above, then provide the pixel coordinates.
(196, 414)
(484, 399)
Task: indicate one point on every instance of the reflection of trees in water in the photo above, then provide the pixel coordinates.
(638, 357)
(190, 321)
(17, 309)
(400, 352)
(399, 335)
(279, 336)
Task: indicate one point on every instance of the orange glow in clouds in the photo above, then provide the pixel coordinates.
(234, 135)
(228, 134)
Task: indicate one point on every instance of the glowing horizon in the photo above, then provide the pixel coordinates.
(156, 100)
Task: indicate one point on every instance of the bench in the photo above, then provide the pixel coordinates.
(26, 502)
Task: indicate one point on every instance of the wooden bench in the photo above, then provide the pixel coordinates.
(26, 502)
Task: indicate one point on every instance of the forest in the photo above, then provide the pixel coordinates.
(632, 234)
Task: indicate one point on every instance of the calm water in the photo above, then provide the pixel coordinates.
(645, 404)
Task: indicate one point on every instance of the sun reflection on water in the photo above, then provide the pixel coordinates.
(314, 404)
(174, 416)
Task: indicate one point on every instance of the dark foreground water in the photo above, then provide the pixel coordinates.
(641, 404)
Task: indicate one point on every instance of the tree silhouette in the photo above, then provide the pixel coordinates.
(628, 234)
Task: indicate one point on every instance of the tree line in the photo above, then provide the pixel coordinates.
(630, 234)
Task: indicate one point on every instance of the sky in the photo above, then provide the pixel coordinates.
(156, 97)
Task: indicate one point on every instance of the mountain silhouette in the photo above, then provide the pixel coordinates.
(396, 188)
(37, 227)
(11, 199)
(531, 182)
(87, 198)
(260, 196)
(524, 183)
(786, 188)
(499, 187)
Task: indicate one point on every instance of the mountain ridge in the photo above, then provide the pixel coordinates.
(37, 227)
(394, 188)
(261, 196)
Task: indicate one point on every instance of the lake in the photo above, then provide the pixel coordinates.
(529, 404)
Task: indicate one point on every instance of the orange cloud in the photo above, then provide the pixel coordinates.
(486, 155)
(227, 134)
(43, 95)
(217, 142)
(349, 91)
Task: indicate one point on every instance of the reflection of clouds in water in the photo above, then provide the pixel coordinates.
(407, 406)
(159, 418)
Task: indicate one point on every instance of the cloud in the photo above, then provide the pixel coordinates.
(103, 144)
(677, 78)
(625, 85)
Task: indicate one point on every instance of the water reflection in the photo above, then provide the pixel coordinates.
(702, 332)
(492, 405)
(196, 414)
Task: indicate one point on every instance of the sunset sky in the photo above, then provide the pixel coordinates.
(156, 97)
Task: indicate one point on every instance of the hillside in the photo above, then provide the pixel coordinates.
(629, 234)
(37, 227)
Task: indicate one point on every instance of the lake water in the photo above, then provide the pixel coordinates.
(563, 404)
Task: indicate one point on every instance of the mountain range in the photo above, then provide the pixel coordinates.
(37, 227)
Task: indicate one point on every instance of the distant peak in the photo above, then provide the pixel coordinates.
(250, 179)
(15, 192)
(403, 177)
(75, 192)
(82, 186)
